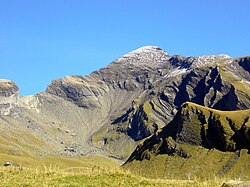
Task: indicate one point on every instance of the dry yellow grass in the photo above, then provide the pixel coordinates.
(84, 171)
(53, 176)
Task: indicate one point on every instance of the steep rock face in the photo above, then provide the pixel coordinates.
(197, 125)
(84, 91)
(209, 85)
(133, 72)
(244, 62)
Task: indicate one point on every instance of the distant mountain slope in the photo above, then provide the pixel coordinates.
(110, 111)
(198, 130)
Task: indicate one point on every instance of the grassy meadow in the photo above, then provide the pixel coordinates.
(84, 171)
(15, 176)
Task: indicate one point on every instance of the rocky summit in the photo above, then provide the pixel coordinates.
(112, 110)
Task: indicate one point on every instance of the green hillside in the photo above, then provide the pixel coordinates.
(199, 143)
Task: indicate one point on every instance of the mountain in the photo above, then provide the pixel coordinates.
(110, 111)
(202, 140)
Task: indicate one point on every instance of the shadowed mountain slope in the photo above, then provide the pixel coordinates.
(198, 130)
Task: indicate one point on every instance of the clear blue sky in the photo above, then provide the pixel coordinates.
(41, 40)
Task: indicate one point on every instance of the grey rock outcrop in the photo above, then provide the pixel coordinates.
(7, 88)
(8, 97)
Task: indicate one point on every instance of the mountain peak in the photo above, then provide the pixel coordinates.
(144, 55)
(147, 49)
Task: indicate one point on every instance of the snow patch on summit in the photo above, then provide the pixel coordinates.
(148, 55)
